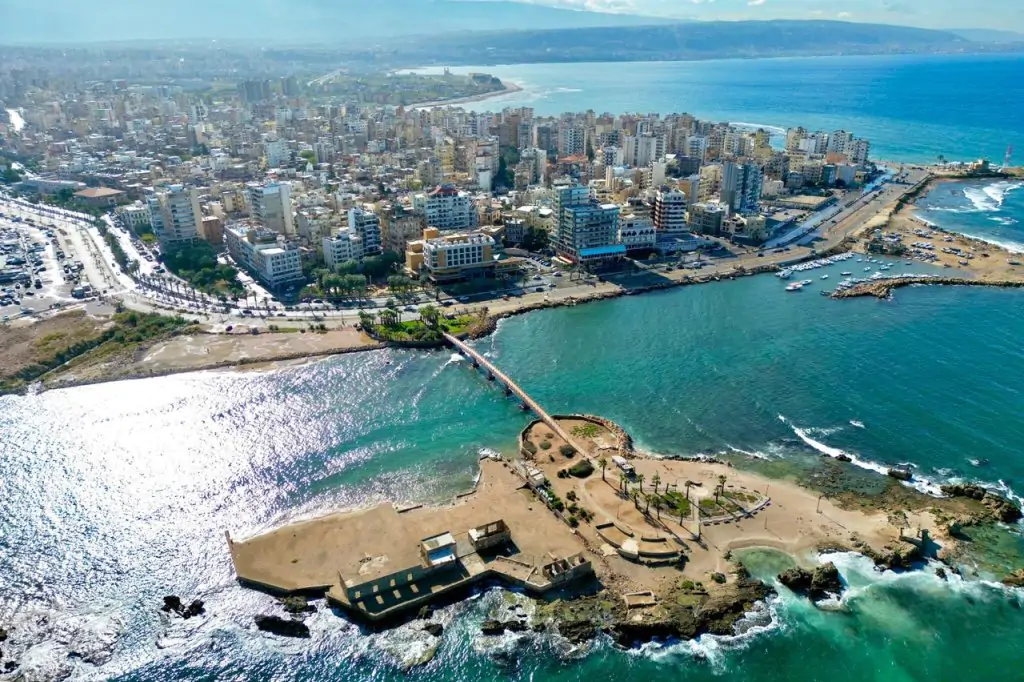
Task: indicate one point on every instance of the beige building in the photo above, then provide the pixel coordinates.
(211, 230)
(452, 257)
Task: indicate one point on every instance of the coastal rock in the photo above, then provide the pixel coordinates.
(578, 631)
(1015, 579)
(895, 557)
(10, 666)
(843, 457)
(297, 605)
(280, 626)
(172, 603)
(796, 579)
(1004, 510)
(900, 474)
(492, 627)
(975, 492)
(825, 580)
(940, 573)
(435, 629)
(3, 635)
(724, 608)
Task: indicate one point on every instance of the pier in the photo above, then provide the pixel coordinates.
(511, 388)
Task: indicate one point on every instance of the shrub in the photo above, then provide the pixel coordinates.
(530, 447)
(567, 450)
(687, 585)
(573, 521)
(571, 495)
(718, 578)
(545, 445)
(549, 435)
(582, 468)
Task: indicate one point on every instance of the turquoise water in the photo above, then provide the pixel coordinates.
(114, 495)
(986, 209)
(911, 107)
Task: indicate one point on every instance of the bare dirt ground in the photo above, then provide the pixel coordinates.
(24, 345)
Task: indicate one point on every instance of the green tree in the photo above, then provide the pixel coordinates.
(604, 465)
(430, 315)
(656, 481)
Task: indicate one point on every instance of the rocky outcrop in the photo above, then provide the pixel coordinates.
(797, 579)
(1015, 579)
(173, 604)
(435, 629)
(297, 605)
(824, 580)
(578, 631)
(900, 474)
(3, 635)
(894, 557)
(1000, 508)
(281, 626)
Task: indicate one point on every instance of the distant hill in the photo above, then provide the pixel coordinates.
(334, 22)
(988, 35)
(697, 40)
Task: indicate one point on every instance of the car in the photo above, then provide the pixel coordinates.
(760, 255)
(538, 277)
(539, 290)
(558, 274)
(463, 299)
(409, 309)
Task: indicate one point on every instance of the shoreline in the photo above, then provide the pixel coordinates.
(632, 567)
(900, 216)
(508, 88)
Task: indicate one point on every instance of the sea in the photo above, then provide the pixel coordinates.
(115, 495)
(911, 107)
(990, 210)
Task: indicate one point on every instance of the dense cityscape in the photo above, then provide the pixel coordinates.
(320, 365)
(289, 185)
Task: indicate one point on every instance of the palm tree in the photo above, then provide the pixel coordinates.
(648, 498)
(636, 499)
(720, 490)
(640, 481)
(656, 481)
(688, 484)
(658, 504)
(604, 464)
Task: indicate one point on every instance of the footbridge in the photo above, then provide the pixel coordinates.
(511, 388)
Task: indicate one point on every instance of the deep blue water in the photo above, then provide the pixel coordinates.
(911, 107)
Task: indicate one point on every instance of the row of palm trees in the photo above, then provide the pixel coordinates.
(654, 499)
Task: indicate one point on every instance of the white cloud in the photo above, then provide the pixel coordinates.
(755, 3)
(844, 15)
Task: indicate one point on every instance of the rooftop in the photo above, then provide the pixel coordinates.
(98, 193)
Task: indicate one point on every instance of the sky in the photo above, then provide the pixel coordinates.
(993, 14)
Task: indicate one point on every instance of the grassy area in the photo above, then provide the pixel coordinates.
(197, 264)
(419, 331)
(676, 502)
(69, 340)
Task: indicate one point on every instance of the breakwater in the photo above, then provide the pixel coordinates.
(883, 288)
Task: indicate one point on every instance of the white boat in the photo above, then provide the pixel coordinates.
(795, 286)
(854, 422)
(824, 276)
(806, 282)
(867, 269)
(846, 274)
(860, 260)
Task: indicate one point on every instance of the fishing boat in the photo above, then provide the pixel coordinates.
(806, 282)
(795, 286)
(846, 274)
(867, 269)
(824, 276)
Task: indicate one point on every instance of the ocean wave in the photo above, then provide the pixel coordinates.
(918, 483)
(763, 618)
(774, 130)
(990, 198)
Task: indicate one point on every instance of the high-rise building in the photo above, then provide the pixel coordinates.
(669, 212)
(271, 205)
(344, 246)
(174, 214)
(741, 186)
(572, 140)
(366, 224)
(447, 208)
(586, 230)
(401, 226)
(264, 253)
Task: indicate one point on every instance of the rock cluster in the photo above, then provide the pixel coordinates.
(1015, 579)
(173, 604)
(281, 626)
(497, 627)
(1001, 508)
(297, 605)
(824, 580)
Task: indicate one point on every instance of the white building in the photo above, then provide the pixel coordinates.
(741, 186)
(265, 254)
(174, 214)
(271, 205)
(276, 151)
(447, 208)
(366, 225)
(132, 216)
(670, 210)
(637, 232)
(344, 246)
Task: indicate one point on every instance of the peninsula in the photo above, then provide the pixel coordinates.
(578, 513)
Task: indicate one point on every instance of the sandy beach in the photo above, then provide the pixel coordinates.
(508, 89)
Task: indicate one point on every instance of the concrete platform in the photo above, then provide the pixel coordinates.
(323, 554)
